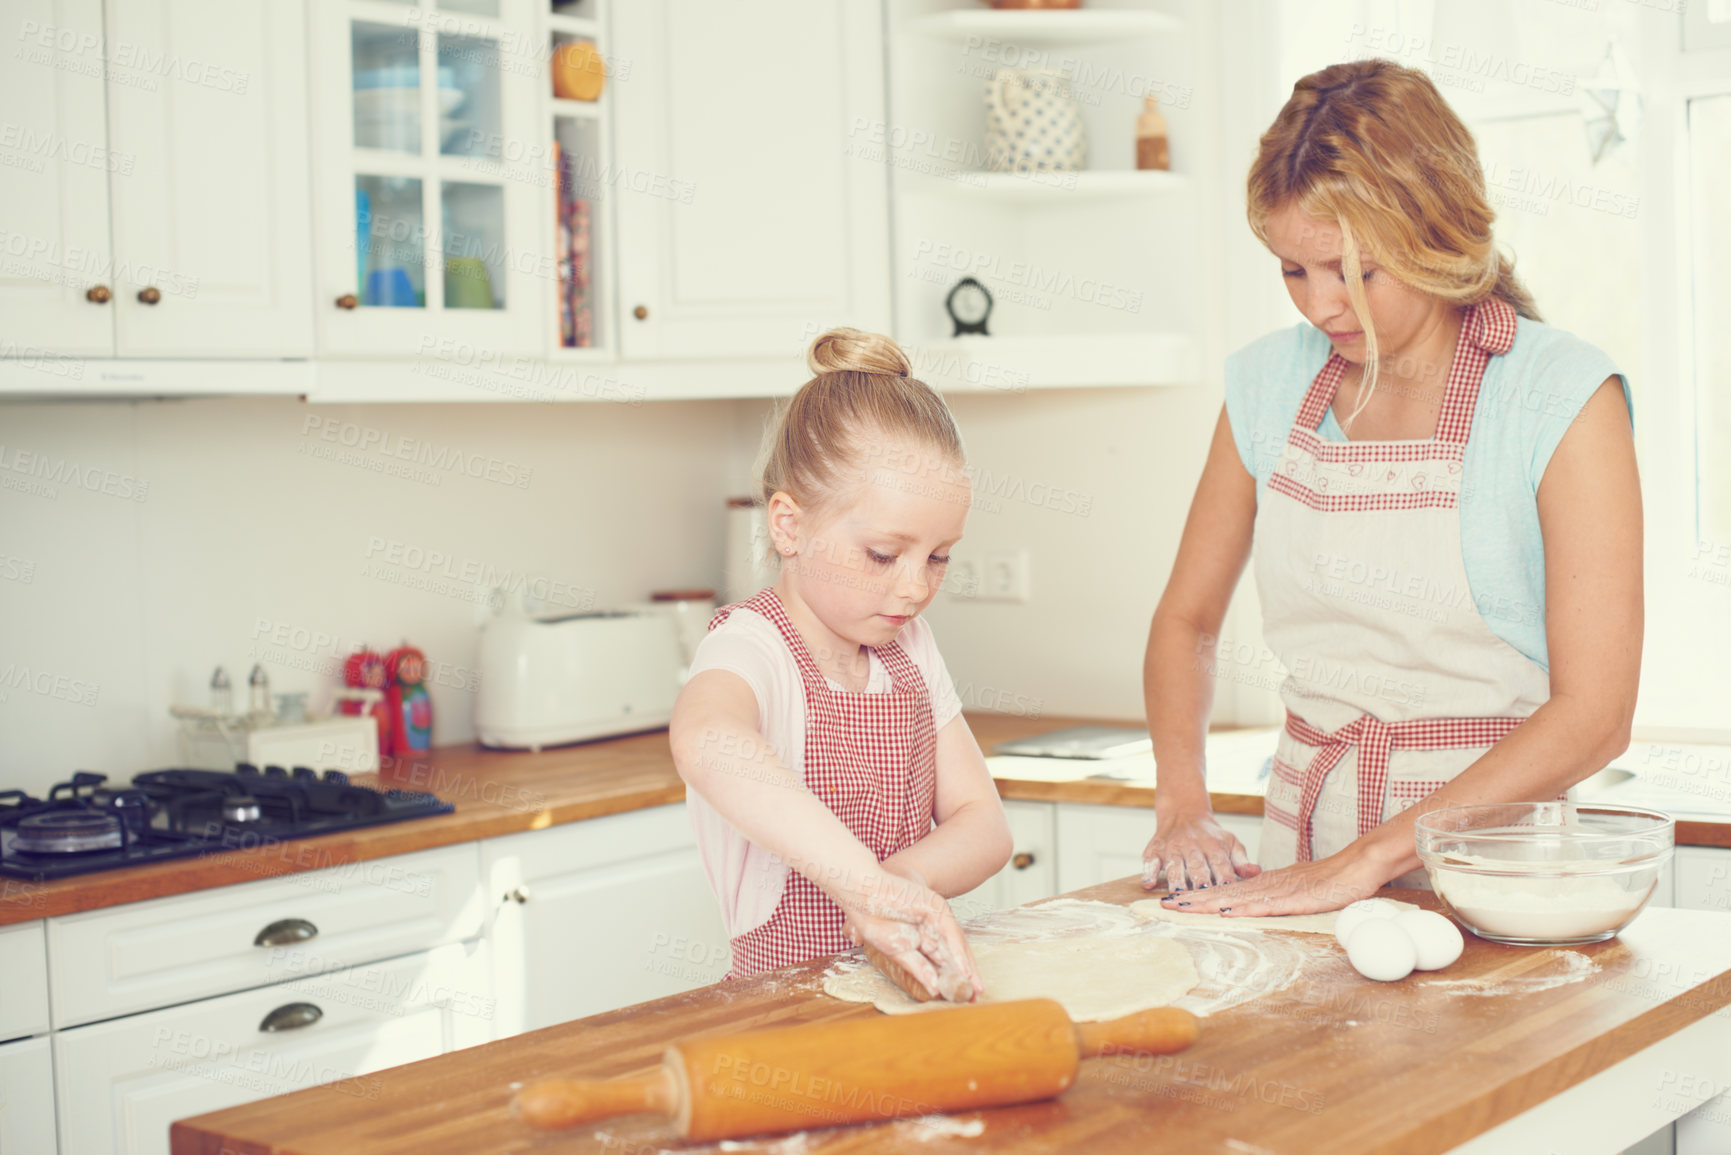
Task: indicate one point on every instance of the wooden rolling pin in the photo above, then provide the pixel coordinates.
(859, 1070)
(953, 988)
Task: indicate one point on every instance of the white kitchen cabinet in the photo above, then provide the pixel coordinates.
(24, 993)
(120, 1084)
(154, 192)
(150, 954)
(54, 187)
(212, 227)
(596, 915)
(425, 209)
(1703, 875)
(1032, 872)
(1101, 843)
(746, 223)
(27, 1098)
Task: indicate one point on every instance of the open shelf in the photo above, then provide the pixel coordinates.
(1049, 186)
(581, 26)
(577, 109)
(1067, 360)
(1067, 26)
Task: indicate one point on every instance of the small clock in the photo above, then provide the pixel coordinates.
(968, 306)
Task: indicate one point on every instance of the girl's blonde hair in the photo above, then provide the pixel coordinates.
(863, 396)
(1375, 148)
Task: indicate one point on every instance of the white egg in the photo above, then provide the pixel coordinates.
(1360, 912)
(1381, 950)
(1438, 940)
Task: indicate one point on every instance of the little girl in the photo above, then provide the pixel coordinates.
(820, 733)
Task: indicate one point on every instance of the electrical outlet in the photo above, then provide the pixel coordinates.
(962, 579)
(1005, 576)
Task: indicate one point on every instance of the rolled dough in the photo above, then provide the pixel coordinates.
(1150, 908)
(1095, 976)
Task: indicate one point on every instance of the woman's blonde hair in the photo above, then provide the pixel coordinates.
(1375, 148)
(863, 396)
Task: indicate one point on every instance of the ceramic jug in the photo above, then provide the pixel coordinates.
(1032, 124)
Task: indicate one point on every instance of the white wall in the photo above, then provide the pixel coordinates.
(224, 538)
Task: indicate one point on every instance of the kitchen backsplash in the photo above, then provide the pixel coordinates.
(143, 544)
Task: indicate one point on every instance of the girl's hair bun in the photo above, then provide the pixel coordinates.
(856, 351)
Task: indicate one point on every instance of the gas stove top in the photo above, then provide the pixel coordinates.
(85, 825)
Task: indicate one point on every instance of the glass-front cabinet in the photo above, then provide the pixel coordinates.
(429, 223)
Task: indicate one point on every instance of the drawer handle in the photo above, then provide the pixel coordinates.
(97, 294)
(347, 301)
(291, 1017)
(149, 295)
(641, 312)
(1023, 860)
(285, 931)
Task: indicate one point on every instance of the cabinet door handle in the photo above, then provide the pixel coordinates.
(284, 931)
(347, 301)
(519, 895)
(641, 312)
(291, 1017)
(97, 294)
(1022, 860)
(149, 295)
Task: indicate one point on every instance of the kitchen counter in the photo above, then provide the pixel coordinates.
(1330, 1062)
(498, 792)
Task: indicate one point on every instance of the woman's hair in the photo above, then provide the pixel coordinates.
(1374, 147)
(862, 399)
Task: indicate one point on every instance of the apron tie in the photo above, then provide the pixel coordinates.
(1375, 740)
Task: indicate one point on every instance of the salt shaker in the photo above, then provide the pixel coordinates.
(258, 696)
(221, 692)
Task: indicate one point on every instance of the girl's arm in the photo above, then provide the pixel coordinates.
(1189, 846)
(1590, 517)
(972, 839)
(721, 754)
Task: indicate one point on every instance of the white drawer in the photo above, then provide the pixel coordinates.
(121, 1084)
(24, 993)
(27, 1098)
(164, 951)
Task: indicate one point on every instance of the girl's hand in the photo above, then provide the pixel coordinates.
(895, 912)
(1195, 851)
(1304, 888)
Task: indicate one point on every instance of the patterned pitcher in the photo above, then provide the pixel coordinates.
(1032, 124)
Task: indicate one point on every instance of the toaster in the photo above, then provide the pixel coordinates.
(548, 681)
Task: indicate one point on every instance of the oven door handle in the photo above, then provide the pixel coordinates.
(285, 931)
(291, 1017)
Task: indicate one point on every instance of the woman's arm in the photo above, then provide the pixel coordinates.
(1178, 674)
(972, 839)
(1590, 517)
(721, 754)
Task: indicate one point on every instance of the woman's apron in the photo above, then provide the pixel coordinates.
(872, 759)
(1395, 683)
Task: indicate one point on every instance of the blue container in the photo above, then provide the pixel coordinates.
(390, 288)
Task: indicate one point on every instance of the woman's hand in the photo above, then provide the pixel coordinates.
(1194, 851)
(1304, 888)
(894, 911)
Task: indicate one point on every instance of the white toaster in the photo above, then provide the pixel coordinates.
(548, 681)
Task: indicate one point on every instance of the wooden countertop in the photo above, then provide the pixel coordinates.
(1330, 1062)
(497, 792)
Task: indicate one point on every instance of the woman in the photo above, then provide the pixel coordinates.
(1442, 496)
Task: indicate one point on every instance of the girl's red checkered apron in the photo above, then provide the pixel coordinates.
(1394, 684)
(871, 758)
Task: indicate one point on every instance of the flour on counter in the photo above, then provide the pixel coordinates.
(1573, 968)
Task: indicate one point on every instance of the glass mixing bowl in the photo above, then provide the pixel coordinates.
(1545, 873)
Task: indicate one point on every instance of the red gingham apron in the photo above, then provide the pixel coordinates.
(1394, 683)
(871, 758)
